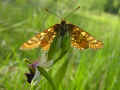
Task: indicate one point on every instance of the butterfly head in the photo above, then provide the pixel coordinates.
(63, 22)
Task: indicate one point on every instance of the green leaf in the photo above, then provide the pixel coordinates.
(54, 49)
(47, 76)
(59, 47)
(60, 74)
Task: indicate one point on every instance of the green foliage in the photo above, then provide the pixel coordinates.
(47, 76)
(112, 6)
(71, 69)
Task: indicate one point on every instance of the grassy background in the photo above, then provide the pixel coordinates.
(87, 70)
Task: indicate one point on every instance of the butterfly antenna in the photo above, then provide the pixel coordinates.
(71, 12)
(52, 13)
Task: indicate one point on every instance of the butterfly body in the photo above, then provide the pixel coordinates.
(79, 38)
(62, 28)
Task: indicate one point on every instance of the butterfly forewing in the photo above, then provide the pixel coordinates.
(82, 40)
(79, 38)
(43, 40)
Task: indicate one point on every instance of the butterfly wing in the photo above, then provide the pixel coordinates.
(42, 39)
(83, 40)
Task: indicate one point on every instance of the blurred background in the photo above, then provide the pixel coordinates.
(88, 69)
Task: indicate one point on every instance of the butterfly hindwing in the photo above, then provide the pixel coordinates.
(42, 39)
(82, 40)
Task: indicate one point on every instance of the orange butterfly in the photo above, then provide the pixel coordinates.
(79, 38)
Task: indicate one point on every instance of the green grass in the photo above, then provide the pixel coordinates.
(84, 70)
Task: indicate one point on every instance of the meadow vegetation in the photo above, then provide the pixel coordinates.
(82, 70)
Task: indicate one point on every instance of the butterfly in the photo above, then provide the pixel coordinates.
(79, 38)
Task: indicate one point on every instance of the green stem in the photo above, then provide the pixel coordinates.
(47, 76)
